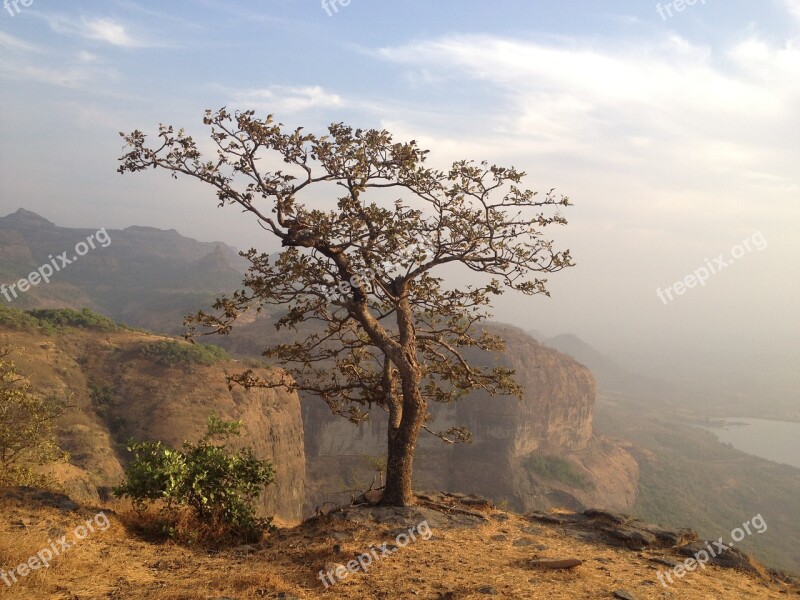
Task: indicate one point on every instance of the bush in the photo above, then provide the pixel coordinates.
(218, 485)
(66, 317)
(558, 469)
(172, 352)
(51, 320)
(27, 429)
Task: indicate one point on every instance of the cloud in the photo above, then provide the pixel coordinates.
(109, 31)
(279, 99)
(793, 6)
(9, 42)
(101, 29)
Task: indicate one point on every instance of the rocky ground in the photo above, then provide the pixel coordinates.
(448, 547)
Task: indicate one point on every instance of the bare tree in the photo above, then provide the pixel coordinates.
(394, 337)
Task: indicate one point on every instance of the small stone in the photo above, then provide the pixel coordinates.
(522, 542)
(557, 563)
(500, 517)
(373, 497)
(624, 595)
(542, 547)
(337, 549)
(531, 530)
(488, 590)
(500, 538)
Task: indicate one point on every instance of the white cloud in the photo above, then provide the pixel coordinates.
(10, 42)
(281, 99)
(109, 31)
(793, 6)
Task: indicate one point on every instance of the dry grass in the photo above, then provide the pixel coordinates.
(117, 564)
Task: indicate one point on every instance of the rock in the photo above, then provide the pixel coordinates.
(596, 513)
(522, 542)
(500, 517)
(663, 561)
(542, 547)
(406, 517)
(531, 530)
(633, 537)
(287, 596)
(337, 549)
(558, 563)
(499, 537)
(488, 590)
(373, 497)
(732, 558)
(624, 595)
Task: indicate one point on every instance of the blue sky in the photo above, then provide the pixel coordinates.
(675, 136)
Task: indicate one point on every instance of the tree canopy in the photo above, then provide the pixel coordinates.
(395, 333)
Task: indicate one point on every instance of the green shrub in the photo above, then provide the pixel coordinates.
(51, 320)
(66, 317)
(219, 485)
(555, 468)
(18, 319)
(172, 352)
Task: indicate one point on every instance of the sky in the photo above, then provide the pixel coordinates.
(673, 127)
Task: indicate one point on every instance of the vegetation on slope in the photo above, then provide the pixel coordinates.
(173, 352)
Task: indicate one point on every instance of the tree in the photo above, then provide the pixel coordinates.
(393, 338)
(219, 485)
(27, 428)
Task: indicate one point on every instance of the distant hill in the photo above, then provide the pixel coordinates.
(144, 276)
(613, 378)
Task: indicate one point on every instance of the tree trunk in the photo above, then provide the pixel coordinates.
(400, 456)
(406, 416)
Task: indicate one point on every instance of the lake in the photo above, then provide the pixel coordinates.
(778, 441)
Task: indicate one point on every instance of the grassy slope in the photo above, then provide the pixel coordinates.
(453, 564)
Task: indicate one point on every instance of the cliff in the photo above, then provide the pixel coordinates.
(536, 453)
(116, 394)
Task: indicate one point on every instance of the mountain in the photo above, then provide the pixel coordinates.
(613, 378)
(139, 275)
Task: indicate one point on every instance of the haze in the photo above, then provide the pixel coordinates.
(675, 136)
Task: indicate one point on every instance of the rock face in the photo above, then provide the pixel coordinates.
(117, 394)
(553, 421)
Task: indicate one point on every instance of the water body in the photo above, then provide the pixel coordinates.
(778, 441)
